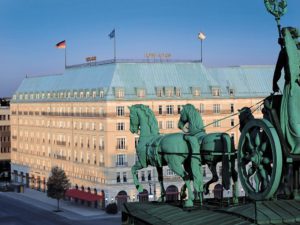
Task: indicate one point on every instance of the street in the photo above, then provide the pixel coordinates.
(15, 212)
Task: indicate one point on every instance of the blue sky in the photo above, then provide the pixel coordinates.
(239, 32)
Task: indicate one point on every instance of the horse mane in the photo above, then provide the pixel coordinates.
(194, 118)
(244, 116)
(152, 121)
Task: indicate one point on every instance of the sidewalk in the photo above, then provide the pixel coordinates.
(71, 210)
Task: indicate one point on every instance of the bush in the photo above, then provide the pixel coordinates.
(112, 208)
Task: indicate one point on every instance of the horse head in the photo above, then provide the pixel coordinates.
(245, 115)
(189, 115)
(142, 118)
(134, 120)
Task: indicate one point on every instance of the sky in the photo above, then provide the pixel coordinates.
(238, 32)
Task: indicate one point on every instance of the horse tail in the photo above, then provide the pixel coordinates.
(226, 169)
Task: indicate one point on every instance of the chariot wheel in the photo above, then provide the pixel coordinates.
(259, 159)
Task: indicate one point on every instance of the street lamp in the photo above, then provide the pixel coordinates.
(202, 37)
(150, 194)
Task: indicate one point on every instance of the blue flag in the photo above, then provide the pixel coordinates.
(112, 34)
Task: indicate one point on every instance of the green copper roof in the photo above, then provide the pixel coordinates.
(246, 81)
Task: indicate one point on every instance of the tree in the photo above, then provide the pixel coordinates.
(57, 184)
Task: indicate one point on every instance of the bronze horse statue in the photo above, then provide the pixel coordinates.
(162, 150)
(214, 148)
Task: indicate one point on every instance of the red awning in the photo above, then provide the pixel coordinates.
(82, 195)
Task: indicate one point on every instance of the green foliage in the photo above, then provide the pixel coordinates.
(112, 208)
(57, 184)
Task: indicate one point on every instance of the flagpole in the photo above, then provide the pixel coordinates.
(65, 57)
(115, 46)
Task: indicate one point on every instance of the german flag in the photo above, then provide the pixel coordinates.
(61, 44)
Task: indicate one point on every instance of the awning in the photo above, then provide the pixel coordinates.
(82, 195)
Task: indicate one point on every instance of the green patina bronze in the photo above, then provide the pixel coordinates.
(190, 149)
(161, 150)
(269, 148)
(214, 147)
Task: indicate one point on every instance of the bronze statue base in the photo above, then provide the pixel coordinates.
(261, 212)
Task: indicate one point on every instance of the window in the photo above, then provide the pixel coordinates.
(160, 111)
(196, 91)
(170, 109)
(178, 92)
(232, 137)
(170, 124)
(121, 160)
(100, 126)
(119, 93)
(121, 143)
(120, 111)
(231, 92)
(121, 126)
(232, 122)
(179, 107)
(217, 123)
(231, 108)
(159, 92)
(136, 141)
(141, 93)
(216, 92)
(94, 93)
(118, 177)
(160, 124)
(169, 92)
(170, 172)
(149, 175)
(81, 94)
(143, 176)
(216, 108)
(201, 110)
(124, 177)
(101, 94)
(204, 171)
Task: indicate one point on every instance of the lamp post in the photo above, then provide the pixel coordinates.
(150, 194)
(202, 37)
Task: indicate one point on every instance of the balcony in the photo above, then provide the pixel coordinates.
(101, 164)
(101, 147)
(121, 164)
(61, 143)
(61, 157)
(122, 147)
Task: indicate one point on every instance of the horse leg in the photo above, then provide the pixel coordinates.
(177, 168)
(160, 180)
(213, 168)
(196, 168)
(137, 166)
(234, 176)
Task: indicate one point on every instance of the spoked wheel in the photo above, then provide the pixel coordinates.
(259, 159)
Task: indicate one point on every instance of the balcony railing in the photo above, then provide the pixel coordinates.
(121, 147)
(121, 164)
(62, 143)
(61, 157)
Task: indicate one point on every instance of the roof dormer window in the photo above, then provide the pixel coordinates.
(169, 91)
(196, 91)
(216, 92)
(119, 92)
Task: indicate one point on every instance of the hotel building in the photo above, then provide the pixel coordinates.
(4, 138)
(79, 120)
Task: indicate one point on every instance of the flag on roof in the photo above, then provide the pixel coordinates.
(112, 34)
(61, 44)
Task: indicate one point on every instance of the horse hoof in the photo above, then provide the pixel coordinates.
(140, 188)
(188, 204)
